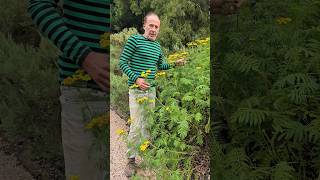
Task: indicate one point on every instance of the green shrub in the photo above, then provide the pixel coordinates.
(29, 96)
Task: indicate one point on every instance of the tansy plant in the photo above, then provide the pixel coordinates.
(77, 77)
(283, 20)
(143, 74)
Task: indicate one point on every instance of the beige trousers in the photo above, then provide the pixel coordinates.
(139, 126)
(79, 106)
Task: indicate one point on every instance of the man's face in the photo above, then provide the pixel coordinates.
(151, 27)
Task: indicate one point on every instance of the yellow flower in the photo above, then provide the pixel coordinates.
(72, 177)
(141, 100)
(78, 75)
(152, 101)
(120, 131)
(283, 20)
(148, 71)
(161, 74)
(143, 74)
(167, 108)
(98, 121)
(68, 81)
(144, 146)
(198, 68)
(134, 86)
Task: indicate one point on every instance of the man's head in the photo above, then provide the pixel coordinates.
(151, 26)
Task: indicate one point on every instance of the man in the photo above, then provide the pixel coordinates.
(141, 54)
(77, 34)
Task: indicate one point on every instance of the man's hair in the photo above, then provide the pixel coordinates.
(149, 14)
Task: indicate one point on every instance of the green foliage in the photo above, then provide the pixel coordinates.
(266, 84)
(119, 39)
(178, 124)
(29, 99)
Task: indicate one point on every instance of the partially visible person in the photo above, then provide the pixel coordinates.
(77, 34)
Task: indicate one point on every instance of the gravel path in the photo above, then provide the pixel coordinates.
(117, 147)
(10, 167)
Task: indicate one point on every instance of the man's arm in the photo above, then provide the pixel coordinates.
(51, 24)
(125, 56)
(45, 15)
(162, 65)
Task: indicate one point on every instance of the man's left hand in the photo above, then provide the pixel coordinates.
(180, 62)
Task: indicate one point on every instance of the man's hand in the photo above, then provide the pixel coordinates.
(97, 66)
(180, 62)
(142, 84)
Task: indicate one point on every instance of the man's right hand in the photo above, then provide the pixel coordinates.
(97, 66)
(142, 84)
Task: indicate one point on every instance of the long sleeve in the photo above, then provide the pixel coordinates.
(126, 55)
(162, 64)
(51, 24)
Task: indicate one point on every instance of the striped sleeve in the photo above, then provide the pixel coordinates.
(126, 55)
(52, 25)
(162, 65)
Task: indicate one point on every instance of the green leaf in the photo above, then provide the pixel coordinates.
(198, 117)
(183, 128)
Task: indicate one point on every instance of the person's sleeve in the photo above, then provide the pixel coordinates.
(162, 64)
(125, 56)
(48, 20)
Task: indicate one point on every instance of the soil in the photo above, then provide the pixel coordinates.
(10, 167)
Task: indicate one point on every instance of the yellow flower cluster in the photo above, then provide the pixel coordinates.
(98, 121)
(141, 100)
(79, 75)
(173, 57)
(145, 74)
(105, 40)
(198, 42)
(144, 146)
(159, 74)
(144, 99)
(283, 20)
(134, 86)
(120, 131)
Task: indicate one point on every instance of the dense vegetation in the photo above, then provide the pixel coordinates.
(266, 98)
(182, 21)
(29, 100)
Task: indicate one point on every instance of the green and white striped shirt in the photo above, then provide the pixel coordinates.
(139, 55)
(76, 33)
